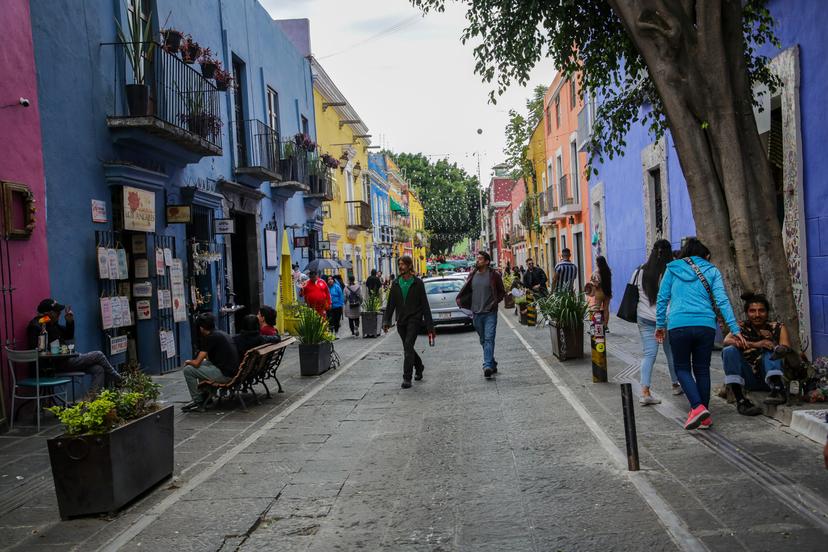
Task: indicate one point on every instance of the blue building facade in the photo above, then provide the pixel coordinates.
(190, 181)
(381, 214)
(642, 196)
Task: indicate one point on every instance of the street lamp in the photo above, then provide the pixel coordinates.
(484, 235)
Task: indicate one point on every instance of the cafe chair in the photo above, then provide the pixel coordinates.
(39, 388)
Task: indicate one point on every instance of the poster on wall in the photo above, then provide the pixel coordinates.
(141, 268)
(123, 267)
(106, 313)
(103, 263)
(117, 312)
(118, 344)
(168, 256)
(112, 260)
(99, 211)
(142, 289)
(139, 244)
(160, 266)
(143, 309)
(139, 210)
(164, 299)
(167, 339)
(271, 249)
(179, 302)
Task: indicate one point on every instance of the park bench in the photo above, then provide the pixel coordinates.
(258, 365)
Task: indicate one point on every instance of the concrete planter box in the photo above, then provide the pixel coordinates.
(567, 343)
(96, 474)
(315, 359)
(371, 324)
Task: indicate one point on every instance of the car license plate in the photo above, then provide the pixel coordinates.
(443, 315)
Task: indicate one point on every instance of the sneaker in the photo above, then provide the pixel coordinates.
(406, 384)
(194, 405)
(677, 390)
(696, 417)
(494, 368)
(418, 374)
(777, 396)
(645, 400)
(706, 424)
(487, 373)
(747, 408)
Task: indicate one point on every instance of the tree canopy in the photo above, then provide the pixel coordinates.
(449, 196)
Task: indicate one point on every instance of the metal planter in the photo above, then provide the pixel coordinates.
(315, 359)
(567, 343)
(371, 324)
(96, 474)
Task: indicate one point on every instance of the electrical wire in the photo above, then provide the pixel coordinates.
(407, 22)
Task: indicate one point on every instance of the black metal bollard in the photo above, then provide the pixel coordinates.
(629, 426)
(598, 343)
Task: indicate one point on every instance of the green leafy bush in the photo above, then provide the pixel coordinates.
(564, 309)
(311, 327)
(374, 302)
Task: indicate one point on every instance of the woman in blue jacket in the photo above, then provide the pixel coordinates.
(692, 324)
(337, 302)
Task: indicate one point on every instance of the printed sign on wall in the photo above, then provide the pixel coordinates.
(139, 210)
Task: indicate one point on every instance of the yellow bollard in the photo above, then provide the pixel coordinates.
(599, 349)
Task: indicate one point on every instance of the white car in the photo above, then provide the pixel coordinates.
(442, 292)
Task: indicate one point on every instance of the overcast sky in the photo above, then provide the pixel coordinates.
(409, 78)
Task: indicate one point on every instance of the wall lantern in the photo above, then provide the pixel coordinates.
(357, 170)
(571, 219)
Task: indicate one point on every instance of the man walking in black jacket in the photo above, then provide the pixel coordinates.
(481, 293)
(408, 298)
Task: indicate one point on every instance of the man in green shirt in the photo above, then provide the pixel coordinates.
(408, 298)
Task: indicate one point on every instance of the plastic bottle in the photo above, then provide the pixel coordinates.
(42, 339)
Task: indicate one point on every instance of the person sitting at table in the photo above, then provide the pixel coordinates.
(217, 360)
(93, 363)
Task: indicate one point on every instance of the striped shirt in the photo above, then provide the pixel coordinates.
(566, 271)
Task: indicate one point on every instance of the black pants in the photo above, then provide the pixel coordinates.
(353, 323)
(408, 334)
(334, 318)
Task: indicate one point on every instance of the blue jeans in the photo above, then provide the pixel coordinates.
(737, 369)
(650, 349)
(692, 347)
(486, 325)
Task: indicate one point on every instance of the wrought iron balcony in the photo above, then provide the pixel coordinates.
(386, 235)
(321, 181)
(294, 167)
(258, 154)
(359, 215)
(163, 97)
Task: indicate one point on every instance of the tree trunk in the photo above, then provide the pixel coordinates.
(694, 51)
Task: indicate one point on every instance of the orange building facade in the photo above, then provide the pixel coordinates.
(564, 188)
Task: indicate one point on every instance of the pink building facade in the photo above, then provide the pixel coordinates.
(25, 276)
(500, 201)
(517, 241)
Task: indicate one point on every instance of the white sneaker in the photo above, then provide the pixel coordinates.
(645, 400)
(677, 389)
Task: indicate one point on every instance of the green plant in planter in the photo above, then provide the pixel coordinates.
(311, 327)
(564, 309)
(373, 303)
(137, 40)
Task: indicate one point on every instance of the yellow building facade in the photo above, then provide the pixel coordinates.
(537, 235)
(416, 224)
(346, 229)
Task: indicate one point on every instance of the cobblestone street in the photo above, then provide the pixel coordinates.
(530, 461)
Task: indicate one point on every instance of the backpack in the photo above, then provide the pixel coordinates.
(354, 297)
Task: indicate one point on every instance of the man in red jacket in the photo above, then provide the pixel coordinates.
(481, 293)
(316, 294)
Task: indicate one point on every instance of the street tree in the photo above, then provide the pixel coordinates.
(689, 66)
(519, 131)
(449, 197)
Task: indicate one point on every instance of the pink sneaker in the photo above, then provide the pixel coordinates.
(706, 424)
(696, 417)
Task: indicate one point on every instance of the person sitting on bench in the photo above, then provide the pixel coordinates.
(216, 360)
(250, 337)
(753, 366)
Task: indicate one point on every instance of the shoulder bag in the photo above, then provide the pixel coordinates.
(703, 280)
(628, 310)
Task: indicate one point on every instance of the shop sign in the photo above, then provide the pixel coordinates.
(271, 249)
(139, 210)
(300, 241)
(225, 226)
(179, 214)
(99, 211)
(118, 344)
(324, 245)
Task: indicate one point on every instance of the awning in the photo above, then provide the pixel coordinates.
(396, 207)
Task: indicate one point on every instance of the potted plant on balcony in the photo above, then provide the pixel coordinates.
(565, 311)
(372, 315)
(197, 118)
(139, 48)
(117, 445)
(315, 342)
(224, 80)
(330, 161)
(208, 64)
(190, 50)
(172, 40)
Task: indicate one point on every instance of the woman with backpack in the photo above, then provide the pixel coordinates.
(647, 278)
(353, 305)
(694, 290)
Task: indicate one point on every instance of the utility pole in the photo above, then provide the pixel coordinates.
(484, 235)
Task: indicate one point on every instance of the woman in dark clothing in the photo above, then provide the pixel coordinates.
(249, 336)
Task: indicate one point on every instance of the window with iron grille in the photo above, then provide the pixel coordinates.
(658, 209)
(558, 111)
(573, 94)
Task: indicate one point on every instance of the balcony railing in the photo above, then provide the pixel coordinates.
(401, 234)
(359, 215)
(321, 181)
(386, 235)
(165, 97)
(571, 206)
(258, 153)
(294, 167)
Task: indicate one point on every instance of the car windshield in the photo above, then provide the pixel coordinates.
(443, 286)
